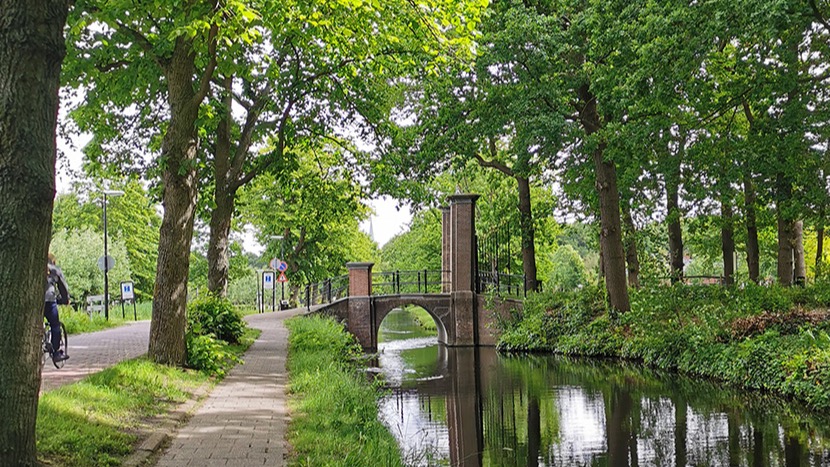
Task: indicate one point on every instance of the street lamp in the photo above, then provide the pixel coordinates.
(282, 258)
(107, 265)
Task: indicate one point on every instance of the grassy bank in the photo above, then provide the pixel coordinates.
(99, 420)
(766, 338)
(334, 418)
(78, 322)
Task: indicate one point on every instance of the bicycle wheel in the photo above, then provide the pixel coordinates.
(59, 363)
(46, 344)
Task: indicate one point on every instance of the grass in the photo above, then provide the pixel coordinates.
(96, 421)
(78, 322)
(423, 318)
(334, 407)
(99, 420)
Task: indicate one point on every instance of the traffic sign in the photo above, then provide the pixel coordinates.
(268, 280)
(282, 266)
(274, 263)
(282, 277)
(127, 291)
(110, 263)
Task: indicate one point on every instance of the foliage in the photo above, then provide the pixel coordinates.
(335, 414)
(132, 222)
(756, 337)
(216, 316)
(416, 249)
(317, 210)
(209, 355)
(212, 323)
(94, 421)
(568, 272)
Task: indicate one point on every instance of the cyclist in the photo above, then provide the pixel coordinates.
(57, 292)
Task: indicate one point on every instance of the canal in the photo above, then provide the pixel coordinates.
(475, 407)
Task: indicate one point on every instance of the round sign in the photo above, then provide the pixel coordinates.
(110, 263)
(282, 266)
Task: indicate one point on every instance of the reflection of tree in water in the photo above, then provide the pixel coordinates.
(542, 410)
(650, 418)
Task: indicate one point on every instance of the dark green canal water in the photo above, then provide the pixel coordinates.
(474, 407)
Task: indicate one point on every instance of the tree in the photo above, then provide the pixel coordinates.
(152, 66)
(418, 248)
(568, 272)
(31, 52)
(77, 255)
(160, 60)
(291, 92)
(316, 208)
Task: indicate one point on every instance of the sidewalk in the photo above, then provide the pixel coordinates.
(92, 352)
(243, 421)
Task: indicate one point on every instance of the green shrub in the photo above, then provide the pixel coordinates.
(209, 354)
(212, 315)
(766, 338)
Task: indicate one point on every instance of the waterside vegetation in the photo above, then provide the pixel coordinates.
(766, 338)
(334, 419)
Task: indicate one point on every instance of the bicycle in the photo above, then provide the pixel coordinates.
(46, 345)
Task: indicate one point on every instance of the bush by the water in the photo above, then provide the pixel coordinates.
(768, 338)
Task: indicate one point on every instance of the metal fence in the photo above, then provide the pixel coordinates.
(503, 285)
(408, 282)
(326, 291)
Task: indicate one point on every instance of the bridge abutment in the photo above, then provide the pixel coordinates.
(361, 317)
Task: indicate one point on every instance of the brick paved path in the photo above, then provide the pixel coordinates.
(243, 421)
(92, 352)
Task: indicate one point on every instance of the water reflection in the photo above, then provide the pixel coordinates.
(473, 407)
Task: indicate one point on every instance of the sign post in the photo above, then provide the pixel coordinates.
(268, 284)
(128, 293)
(282, 266)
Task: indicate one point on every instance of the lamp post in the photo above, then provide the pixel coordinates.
(282, 258)
(106, 257)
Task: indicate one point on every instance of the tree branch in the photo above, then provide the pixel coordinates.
(204, 85)
(493, 164)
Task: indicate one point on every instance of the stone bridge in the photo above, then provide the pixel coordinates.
(463, 316)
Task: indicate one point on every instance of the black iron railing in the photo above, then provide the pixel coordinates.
(408, 282)
(503, 285)
(326, 291)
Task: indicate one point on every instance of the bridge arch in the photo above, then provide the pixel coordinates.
(437, 306)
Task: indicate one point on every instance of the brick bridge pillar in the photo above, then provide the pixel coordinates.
(464, 316)
(360, 315)
(446, 250)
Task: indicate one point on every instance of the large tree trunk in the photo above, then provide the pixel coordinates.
(673, 223)
(786, 228)
(820, 246)
(785, 251)
(753, 259)
(224, 196)
(727, 241)
(631, 258)
(609, 208)
(528, 241)
(800, 273)
(179, 151)
(31, 51)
